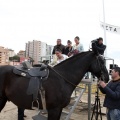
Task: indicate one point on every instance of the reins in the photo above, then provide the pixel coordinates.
(64, 78)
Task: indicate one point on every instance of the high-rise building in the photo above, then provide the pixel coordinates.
(11, 52)
(4, 56)
(49, 50)
(35, 49)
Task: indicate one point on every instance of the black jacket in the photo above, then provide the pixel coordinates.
(100, 48)
(112, 98)
(67, 50)
(61, 47)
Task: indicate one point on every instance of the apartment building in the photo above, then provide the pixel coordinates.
(35, 49)
(49, 49)
(4, 56)
(11, 52)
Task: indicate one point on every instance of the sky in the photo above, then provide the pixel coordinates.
(47, 20)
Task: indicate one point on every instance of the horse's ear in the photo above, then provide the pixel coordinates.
(94, 49)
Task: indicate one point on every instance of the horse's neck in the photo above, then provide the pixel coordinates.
(74, 70)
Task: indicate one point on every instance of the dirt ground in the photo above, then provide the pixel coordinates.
(80, 113)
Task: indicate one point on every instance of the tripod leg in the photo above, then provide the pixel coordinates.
(97, 109)
(93, 109)
(100, 110)
(97, 106)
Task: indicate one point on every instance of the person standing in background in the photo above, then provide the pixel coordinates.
(59, 46)
(78, 46)
(68, 48)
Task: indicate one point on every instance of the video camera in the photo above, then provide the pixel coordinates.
(96, 40)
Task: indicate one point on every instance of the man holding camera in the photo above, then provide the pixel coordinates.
(99, 46)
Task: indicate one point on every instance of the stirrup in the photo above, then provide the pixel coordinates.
(33, 103)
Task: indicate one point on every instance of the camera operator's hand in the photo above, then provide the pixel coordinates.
(102, 84)
(93, 44)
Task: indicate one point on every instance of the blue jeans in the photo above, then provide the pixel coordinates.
(113, 114)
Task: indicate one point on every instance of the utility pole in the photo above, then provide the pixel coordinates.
(104, 24)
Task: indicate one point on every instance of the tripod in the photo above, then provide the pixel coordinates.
(97, 107)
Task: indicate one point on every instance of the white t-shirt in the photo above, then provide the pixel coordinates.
(78, 47)
(57, 61)
(64, 58)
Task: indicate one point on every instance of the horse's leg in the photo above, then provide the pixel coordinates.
(3, 101)
(54, 114)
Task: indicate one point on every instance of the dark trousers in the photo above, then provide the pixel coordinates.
(20, 113)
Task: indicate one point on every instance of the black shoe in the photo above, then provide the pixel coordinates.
(24, 116)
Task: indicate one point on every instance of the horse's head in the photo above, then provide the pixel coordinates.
(99, 69)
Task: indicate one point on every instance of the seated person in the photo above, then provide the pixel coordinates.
(58, 57)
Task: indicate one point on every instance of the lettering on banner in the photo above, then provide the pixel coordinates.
(110, 28)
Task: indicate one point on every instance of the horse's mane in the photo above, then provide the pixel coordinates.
(74, 57)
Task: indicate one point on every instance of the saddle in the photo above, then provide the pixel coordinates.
(36, 75)
(25, 69)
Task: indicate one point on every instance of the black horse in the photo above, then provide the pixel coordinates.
(59, 86)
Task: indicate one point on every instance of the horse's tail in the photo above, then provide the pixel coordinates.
(3, 101)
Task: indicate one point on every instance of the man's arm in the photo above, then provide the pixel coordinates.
(102, 90)
(101, 49)
(113, 94)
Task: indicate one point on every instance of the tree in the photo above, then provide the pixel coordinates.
(15, 58)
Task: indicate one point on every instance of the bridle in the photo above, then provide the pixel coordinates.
(100, 66)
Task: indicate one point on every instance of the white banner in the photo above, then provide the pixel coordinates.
(110, 28)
